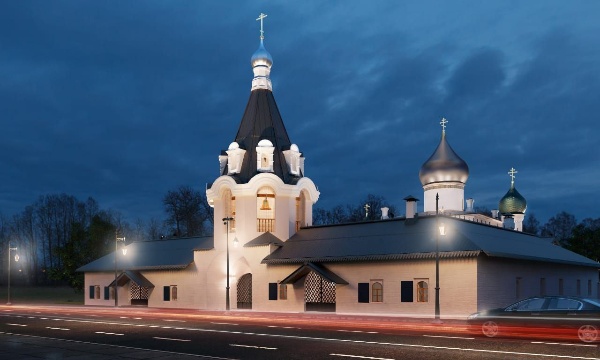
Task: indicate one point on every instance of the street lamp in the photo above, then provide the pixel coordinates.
(442, 232)
(16, 259)
(117, 239)
(226, 221)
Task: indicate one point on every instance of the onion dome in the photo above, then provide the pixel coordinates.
(261, 56)
(512, 202)
(444, 165)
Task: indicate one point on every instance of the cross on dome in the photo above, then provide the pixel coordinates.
(443, 123)
(512, 173)
(262, 32)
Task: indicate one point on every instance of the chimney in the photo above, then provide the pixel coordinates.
(495, 213)
(470, 203)
(384, 213)
(411, 206)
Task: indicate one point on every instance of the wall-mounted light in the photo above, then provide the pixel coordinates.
(442, 229)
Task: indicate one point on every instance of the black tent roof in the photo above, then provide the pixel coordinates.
(262, 120)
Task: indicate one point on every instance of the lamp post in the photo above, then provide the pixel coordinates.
(442, 232)
(16, 259)
(117, 239)
(226, 221)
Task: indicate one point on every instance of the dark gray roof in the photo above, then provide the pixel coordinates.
(264, 239)
(399, 239)
(261, 120)
(153, 255)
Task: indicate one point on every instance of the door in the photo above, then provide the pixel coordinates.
(319, 293)
(244, 292)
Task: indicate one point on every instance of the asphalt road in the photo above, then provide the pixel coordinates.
(131, 333)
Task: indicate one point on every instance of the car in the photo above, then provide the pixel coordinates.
(543, 316)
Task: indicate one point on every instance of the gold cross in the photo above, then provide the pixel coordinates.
(512, 173)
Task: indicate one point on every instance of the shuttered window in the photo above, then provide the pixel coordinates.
(406, 291)
(363, 292)
(272, 291)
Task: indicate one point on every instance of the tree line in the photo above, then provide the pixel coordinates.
(59, 233)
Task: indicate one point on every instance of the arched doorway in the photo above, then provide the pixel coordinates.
(319, 293)
(244, 292)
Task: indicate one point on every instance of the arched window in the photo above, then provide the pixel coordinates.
(265, 210)
(301, 211)
(229, 208)
(377, 292)
(422, 291)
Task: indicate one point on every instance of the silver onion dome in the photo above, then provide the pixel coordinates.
(444, 165)
(261, 57)
(512, 202)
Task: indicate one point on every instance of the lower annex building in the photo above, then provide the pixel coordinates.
(278, 261)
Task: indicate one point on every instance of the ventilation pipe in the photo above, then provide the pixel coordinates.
(411, 206)
(495, 213)
(384, 213)
(470, 203)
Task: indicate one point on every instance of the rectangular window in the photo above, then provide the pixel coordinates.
(97, 292)
(578, 287)
(561, 287)
(173, 292)
(167, 293)
(106, 293)
(282, 291)
(363, 292)
(272, 291)
(406, 291)
(92, 287)
(422, 291)
(542, 286)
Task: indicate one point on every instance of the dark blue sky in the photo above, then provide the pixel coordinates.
(125, 100)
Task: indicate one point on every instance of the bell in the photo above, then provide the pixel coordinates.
(265, 205)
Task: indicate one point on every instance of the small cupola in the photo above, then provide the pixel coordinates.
(264, 156)
(235, 157)
(261, 62)
(512, 202)
(294, 160)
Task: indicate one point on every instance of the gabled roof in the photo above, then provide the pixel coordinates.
(261, 120)
(399, 239)
(319, 269)
(153, 255)
(264, 239)
(134, 276)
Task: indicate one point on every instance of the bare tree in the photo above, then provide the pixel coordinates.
(186, 213)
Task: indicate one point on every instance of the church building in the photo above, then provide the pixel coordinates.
(266, 255)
